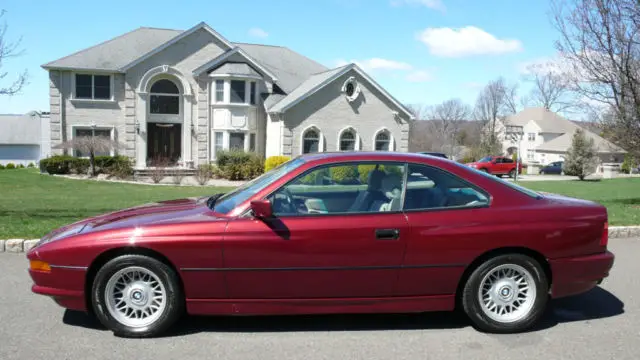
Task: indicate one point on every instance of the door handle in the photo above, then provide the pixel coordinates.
(387, 234)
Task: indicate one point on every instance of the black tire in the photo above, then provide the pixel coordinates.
(473, 308)
(484, 170)
(512, 174)
(169, 279)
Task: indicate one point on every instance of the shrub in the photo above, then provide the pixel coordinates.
(1, 167)
(11, 166)
(203, 174)
(79, 165)
(628, 164)
(57, 164)
(239, 165)
(121, 167)
(581, 159)
(347, 174)
(31, 165)
(275, 161)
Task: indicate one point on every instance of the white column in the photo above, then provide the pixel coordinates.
(141, 135)
(186, 130)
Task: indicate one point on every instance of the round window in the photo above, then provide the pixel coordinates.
(350, 89)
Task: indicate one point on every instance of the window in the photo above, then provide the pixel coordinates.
(530, 154)
(252, 142)
(348, 141)
(252, 95)
(219, 90)
(218, 140)
(507, 160)
(383, 141)
(92, 87)
(236, 141)
(310, 141)
(355, 187)
(164, 98)
(531, 136)
(432, 188)
(100, 148)
(237, 91)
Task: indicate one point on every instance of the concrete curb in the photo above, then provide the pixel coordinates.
(21, 245)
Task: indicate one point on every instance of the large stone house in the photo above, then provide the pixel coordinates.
(547, 137)
(184, 95)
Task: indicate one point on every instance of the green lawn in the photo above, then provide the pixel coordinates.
(32, 204)
(620, 196)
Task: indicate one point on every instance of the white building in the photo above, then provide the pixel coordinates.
(24, 138)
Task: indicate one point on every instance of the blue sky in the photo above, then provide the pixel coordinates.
(422, 51)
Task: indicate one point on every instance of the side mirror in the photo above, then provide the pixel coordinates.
(262, 209)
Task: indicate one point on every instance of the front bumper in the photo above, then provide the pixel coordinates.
(576, 275)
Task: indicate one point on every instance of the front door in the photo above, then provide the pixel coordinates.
(164, 145)
(319, 245)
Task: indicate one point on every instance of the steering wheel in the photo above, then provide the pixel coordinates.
(287, 206)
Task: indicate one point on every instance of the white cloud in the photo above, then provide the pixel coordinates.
(419, 76)
(375, 64)
(466, 41)
(258, 32)
(432, 4)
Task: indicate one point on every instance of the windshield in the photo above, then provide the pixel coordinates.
(485, 159)
(510, 184)
(230, 200)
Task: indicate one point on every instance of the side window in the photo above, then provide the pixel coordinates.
(356, 187)
(508, 160)
(431, 188)
(498, 160)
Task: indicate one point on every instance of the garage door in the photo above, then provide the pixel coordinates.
(19, 154)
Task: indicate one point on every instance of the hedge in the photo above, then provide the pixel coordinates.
(239, 165)
(119, 166)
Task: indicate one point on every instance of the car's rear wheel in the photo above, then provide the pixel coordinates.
(512, 174)
(506, 294)
(137, 296)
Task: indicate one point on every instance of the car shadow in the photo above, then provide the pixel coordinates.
(595, 304)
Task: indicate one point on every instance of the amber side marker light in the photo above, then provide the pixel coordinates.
(39, 265)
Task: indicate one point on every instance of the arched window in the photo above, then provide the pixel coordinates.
(348, 141)
(310, 141)
(383, 141)
(165, 98)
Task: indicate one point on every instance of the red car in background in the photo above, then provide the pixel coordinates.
(497, 165)
(363, 232)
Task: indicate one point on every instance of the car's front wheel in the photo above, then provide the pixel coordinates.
(506, 294)
(137, 296)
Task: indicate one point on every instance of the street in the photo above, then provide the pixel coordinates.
(603, 324)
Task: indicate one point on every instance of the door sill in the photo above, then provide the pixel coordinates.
(410, 304)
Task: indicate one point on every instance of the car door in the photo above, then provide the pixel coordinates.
(336, 250)
(442, 211)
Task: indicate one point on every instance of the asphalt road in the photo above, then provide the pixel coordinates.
(603, 324)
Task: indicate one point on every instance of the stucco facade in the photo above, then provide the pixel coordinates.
(195, 93)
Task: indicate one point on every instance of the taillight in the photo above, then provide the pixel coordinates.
(604, 240)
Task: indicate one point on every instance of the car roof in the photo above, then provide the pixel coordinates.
(367, 155)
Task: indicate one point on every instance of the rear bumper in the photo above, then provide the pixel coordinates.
(576, 275)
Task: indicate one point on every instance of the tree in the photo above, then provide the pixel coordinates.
(8, 50)
(90, 145)
(551, 87)
(599, 41)
(494, 102)
(444, 121)
(582, 157)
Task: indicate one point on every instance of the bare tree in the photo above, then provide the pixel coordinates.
(600, 40)
(494, 102)
(551, 87)
(90, 145)
(445, 121)
(8, 50)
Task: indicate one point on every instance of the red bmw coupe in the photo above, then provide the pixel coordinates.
(332, 233)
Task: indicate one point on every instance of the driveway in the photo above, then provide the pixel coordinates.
(603, 324)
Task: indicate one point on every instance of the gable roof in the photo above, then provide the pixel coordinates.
(563, 142)
(236, 50)
(548, 121)
(318, 81)
(235, 69)
(113, 54)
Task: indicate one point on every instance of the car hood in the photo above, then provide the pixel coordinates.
(156, 213)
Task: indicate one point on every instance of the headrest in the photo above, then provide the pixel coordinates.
(375, 180)
(392, 186)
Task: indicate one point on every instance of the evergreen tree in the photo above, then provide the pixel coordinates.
(582, 157)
